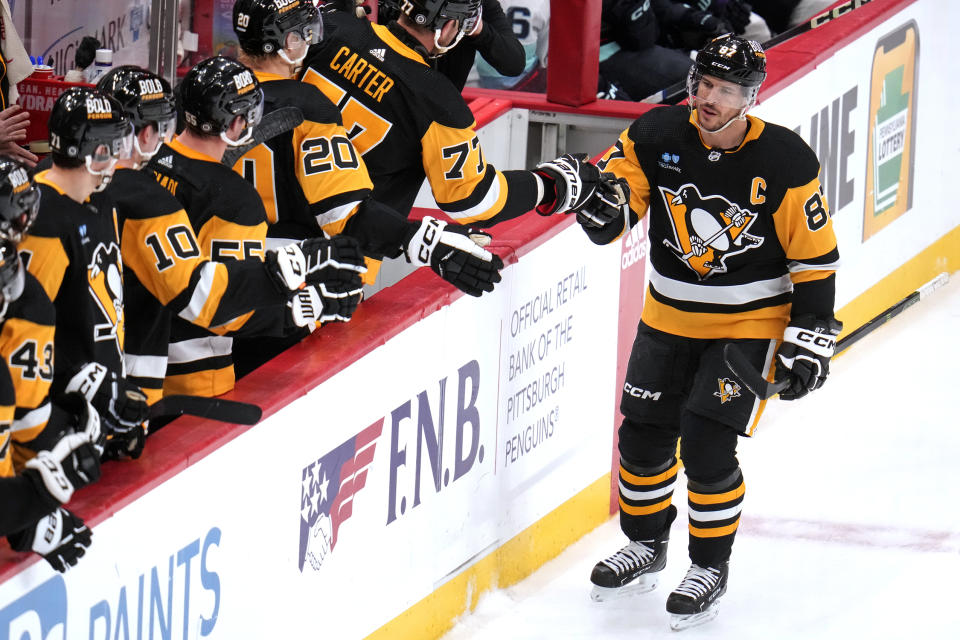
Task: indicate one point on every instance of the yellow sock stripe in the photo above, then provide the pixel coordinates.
(648, 480)
(643, 511)
(717, 498)
(714, 533)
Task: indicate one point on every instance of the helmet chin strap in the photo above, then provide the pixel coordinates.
(244, 139)
(145, 156)
(292, 61)
(740, 116)
(440, 49)
(104, 174)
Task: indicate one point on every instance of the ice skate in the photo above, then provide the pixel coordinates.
(696, 600)
(632, 570)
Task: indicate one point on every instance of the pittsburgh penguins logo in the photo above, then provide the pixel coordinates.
(728, 390)
(105, 276)
(707, 229)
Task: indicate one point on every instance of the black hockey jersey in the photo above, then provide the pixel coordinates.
(27, 347)
(310, 177)
(230, 223)
(167, 275)
(74, 252)
(737, 237)
(408, 122)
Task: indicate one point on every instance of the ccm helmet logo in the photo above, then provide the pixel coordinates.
(243, 82)
(637, 392)
(817, 339)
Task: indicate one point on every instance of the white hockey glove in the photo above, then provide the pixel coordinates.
(313, 260)
(455, 253)
(804, 356)
(121, 404)
(74, 461)
(569, 181)
(61, 538)
(608, 204)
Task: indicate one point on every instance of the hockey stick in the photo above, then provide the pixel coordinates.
(708, 241)
(271, 125)
(212, 408)
(675, 92)
(764, 389)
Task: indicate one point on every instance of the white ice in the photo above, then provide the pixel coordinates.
(851, 525)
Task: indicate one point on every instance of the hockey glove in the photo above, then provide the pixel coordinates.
(326, 302)
(121, 404)
(74, 461)
(608, 203)
(61, 538)
(737, 13)
(569, 181)
(455, 253)
(311, 261)
(804, 357)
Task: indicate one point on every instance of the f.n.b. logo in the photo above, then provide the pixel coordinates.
(40, 614)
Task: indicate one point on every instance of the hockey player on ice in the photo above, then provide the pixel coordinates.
(775, 298)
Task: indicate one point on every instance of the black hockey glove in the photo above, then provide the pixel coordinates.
(737, 13)
(333, 301)
(74, 461)
(804, 357)
(455, 253)
(568, 182)
(121, 404)
(314, 260)
(61, 538)
(607, 205)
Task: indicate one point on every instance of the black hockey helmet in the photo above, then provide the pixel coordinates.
(216, 91)
(433, 14)
(12, 278)
(732, 59)
(85, 123)
(735, 59)
(262, 25)
(145, 97)
(19, 200)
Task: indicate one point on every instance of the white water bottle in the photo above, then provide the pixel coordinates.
(101, 65)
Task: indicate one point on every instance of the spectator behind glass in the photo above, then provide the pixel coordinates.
(780, 15)
(14, 66)
(531, 25)
(634, 63)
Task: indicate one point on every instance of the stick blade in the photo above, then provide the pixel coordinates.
(211, 408)
(751, 378)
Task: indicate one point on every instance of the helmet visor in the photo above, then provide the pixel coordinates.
(119, 147)
(28, 203)
(11, 273)
(707, 89)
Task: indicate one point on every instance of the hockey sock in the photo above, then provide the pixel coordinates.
(645, 496)
(714, 511)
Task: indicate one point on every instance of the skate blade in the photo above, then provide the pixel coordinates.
(645, 583)
(680, 622)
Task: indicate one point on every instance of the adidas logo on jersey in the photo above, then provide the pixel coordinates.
(634, 247)
(378, 53)
(166, 161)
